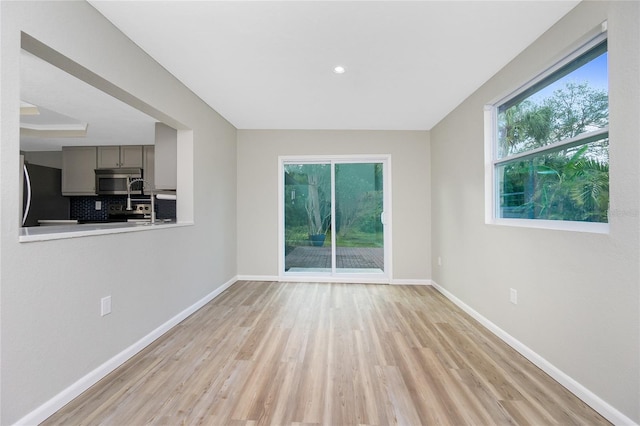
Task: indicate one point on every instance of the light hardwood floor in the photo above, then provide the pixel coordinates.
(336, 354)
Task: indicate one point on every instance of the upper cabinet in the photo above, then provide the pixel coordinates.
(78, 170)
(131, 156)
(79, 164)
(166, 153)
(110, 157)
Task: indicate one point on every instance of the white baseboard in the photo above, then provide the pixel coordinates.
(302, 278)
(63, 398)
(258, 278)
(591, 399)
(329, 279)
(411, 282)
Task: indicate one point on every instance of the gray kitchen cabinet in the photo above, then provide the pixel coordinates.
(148, 165)
(166, 153)
(78, 170)
(110, 157)
(131, 156)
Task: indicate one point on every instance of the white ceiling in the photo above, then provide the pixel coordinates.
(268, 64)
(64, 102)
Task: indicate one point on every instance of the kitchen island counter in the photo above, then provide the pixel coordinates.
(45, 233)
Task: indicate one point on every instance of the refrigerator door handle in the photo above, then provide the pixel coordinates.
(28, 206)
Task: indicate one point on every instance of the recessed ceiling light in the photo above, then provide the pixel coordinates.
(339, 69)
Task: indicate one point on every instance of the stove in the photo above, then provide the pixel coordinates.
(119, 212)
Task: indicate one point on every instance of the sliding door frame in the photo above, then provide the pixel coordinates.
(335, 276)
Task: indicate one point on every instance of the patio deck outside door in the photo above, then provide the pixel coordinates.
(333, 218)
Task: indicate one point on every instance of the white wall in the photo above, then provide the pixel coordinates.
(258, 152)
(51, 332)
(578, 293)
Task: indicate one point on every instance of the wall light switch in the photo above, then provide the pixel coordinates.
(105, 306)
(98, 205)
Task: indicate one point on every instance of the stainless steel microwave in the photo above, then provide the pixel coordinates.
(115, 181)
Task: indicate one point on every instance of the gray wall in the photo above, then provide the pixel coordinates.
(578, 293)
(44, 158)
(258, 152)
(51, 332)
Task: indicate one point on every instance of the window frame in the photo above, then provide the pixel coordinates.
(492, 161)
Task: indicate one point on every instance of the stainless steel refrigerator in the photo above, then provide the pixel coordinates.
(42, 194)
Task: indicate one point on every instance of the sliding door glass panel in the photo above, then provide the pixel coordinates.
(307, 218)
(359, 232)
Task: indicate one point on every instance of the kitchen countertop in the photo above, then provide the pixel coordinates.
(56, 232)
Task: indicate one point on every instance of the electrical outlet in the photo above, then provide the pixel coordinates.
(98, 205)
(513, 296)
(105, 306)
(439, 261)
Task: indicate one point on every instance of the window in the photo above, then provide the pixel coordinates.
(550, 143)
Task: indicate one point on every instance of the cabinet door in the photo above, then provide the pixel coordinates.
(148, 166)
(131, 156)
(108, 157)
(78, 170)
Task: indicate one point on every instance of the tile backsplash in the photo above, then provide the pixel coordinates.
(84, 208)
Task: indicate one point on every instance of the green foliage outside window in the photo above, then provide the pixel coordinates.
(566, 177)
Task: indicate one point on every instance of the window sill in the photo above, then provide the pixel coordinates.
(556, 225)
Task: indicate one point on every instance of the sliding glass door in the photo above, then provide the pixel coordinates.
(307, 217)
(359, 236)
(332, 215)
